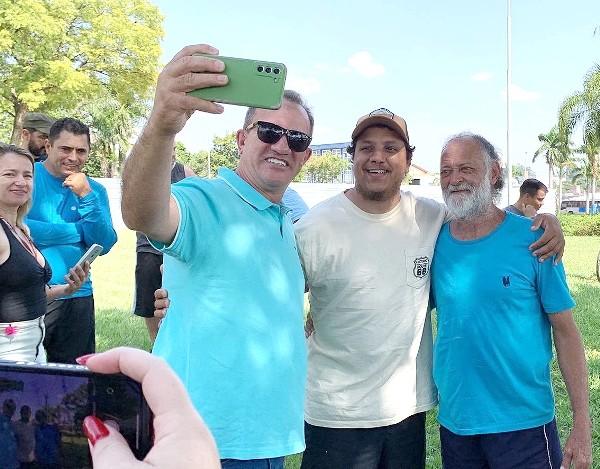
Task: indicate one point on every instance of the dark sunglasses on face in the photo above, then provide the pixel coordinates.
(271, 133)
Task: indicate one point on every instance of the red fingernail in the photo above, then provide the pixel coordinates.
(84, 358)
(94, 429)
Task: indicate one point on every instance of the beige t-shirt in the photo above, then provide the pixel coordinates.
(370, 357)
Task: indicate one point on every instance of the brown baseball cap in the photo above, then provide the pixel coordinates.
(38, 121)
(381, 116)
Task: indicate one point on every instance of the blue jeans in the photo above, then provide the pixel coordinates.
(269, 463)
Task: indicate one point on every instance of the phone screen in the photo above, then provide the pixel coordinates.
(43, 408)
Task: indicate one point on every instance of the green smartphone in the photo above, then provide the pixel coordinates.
(252, 83)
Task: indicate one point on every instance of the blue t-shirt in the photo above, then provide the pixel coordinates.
(493, 344)
(63, 226)
(234, 332)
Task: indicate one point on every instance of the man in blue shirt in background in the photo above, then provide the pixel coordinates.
(69, 213)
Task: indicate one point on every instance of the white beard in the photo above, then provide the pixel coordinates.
(470, 206)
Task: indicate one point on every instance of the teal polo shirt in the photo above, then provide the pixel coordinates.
(234, 331)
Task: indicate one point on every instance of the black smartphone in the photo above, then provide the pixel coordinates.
(43, 407)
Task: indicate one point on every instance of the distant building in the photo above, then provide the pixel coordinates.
(338, 149)
(420, 176)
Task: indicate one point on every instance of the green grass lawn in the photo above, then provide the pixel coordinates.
(113, 276)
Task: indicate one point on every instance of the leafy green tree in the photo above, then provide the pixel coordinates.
(196, 161)
(224, 153)
(55, 54)
(522, 171)
(182, 154)
(324, 168)
(112, 125)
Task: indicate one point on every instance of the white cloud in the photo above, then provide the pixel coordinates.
(482, 76)
(519, 94)
(363, 63)
(304, 86)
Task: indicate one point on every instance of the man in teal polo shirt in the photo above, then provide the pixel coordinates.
(234, 332)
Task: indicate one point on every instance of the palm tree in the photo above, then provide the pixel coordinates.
(582, 175)
(591, 150)
(556, 149)
(583, 108)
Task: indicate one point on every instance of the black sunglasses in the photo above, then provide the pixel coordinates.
(271, 133)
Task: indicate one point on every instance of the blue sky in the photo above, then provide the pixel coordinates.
(440, 64)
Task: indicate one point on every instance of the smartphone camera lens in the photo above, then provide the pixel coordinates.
(276, 71)
(268, 69)
(260, 68)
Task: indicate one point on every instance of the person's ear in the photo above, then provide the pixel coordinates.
(240, 140)
(307, 156)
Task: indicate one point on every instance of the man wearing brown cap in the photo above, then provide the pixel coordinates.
(367, 255)
(36, 127)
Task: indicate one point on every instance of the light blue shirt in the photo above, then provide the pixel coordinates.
(292, 200)
(63, 226)
(493, 347)
(234, 332)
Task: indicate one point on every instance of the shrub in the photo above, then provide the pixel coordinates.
(580, 225)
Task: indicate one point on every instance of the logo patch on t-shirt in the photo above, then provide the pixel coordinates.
(421, 267)
(506, 280)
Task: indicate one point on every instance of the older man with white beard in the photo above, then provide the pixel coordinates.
(498, 309)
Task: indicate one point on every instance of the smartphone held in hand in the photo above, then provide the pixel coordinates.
(252, 83)
(91, 254)
(55, 398)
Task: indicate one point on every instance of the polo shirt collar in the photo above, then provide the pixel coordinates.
(244, 190)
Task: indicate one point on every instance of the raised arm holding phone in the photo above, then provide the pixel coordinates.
(230, 248)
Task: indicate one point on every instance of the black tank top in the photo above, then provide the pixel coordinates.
(22, 283)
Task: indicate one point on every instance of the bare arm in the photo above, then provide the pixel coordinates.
(188, 171)
(573, 367)
(146, 203)
(74, 279)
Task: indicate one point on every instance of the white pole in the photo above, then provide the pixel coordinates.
(508, 87)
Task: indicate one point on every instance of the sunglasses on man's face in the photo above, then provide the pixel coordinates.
(271, 133)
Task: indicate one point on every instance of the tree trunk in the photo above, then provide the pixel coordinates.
(560, 188)
(594, 194)
(20, 111)
(104, 165)
(587, 197)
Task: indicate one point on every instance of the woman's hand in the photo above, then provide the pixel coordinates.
(182, 440)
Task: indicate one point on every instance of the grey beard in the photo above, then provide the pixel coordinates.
(471, 206)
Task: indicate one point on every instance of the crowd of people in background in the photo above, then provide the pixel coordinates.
(373, 259)
(27, 443)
